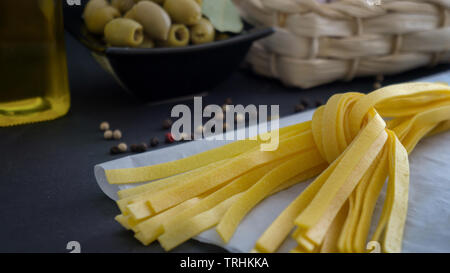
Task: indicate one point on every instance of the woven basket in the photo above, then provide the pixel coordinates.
(317, 43)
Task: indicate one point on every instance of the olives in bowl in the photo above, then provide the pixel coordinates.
(159, 57)
(168, 23)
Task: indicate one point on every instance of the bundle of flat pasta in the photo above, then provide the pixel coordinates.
(349, 147)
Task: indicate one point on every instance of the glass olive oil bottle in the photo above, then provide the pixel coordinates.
(33, 71)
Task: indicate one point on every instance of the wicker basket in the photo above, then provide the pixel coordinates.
(317, 43)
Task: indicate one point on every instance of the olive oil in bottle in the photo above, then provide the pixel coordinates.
(33, 71)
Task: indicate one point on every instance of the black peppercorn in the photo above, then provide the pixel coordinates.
(114, 150)
(319, 103)
(154, 142)
(167, 124)
(134, 148)
(142, 147)
(304, 102)
(299, 108)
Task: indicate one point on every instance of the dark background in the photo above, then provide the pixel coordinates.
(48, 193)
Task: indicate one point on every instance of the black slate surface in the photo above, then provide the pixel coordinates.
(48, 193)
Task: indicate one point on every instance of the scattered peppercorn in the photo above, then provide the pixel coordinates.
(184, 136)
(199, 129)
(228, 101)
(377, 85)
(104, 126)
(134, 148)
(304, 102)
(225, 107)
(225, 127)
(169, 138)
(319, 103)
(117, 134)
(167, 124)
(154, 142)
(299, 108)
(108, 134)
(114, 150)
(142, 147)
(219, 116)
(253, 113)
(239, 117)
(123, 147)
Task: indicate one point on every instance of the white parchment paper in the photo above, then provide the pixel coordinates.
(428, 223)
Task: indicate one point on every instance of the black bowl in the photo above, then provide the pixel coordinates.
(162, 73)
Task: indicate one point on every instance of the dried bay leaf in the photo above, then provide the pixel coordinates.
(223, 15)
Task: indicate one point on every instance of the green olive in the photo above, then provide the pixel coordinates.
(122, 5)
(96, 20)
(147, 43)
(124, 32)
(220, 36)
(131, 14)
(156, 1)
(186, 12)
(153, 18)
(203, 32)
(94, 5)
(178, 36)
(161, 2)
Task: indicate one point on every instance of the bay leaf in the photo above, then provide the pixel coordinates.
(223, 14)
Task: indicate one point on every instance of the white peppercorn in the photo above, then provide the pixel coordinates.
(108, 134)
(104, 126)
(199, 129)
(184, 136)
(122, 147)
(239, 117)
(117, 134)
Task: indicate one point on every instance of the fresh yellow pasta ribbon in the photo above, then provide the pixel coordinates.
(149, 173)
(348, 144)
